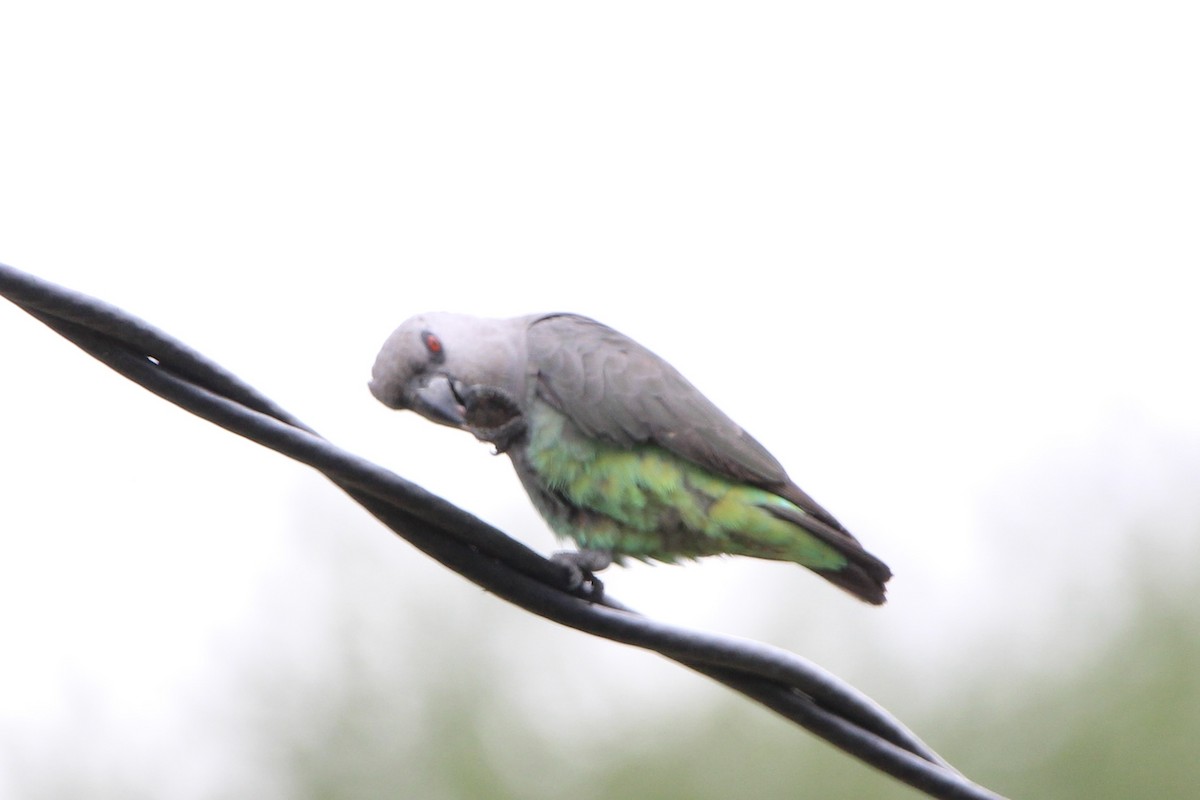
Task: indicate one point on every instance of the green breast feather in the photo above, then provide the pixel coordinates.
(648, 503)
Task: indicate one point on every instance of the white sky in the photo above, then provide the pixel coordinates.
(922, 252)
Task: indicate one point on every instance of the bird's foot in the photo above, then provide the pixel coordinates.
(581, 566)
(493, 417)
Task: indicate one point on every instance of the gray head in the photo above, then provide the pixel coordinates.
(437, 363)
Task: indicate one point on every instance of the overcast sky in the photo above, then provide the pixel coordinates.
(941, 259)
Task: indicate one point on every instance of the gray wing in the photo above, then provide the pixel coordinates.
(615, 389)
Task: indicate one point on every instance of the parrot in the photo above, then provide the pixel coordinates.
(617, 451)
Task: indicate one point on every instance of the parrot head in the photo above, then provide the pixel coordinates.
(456, 370)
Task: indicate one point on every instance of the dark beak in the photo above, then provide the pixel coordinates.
(436, 400)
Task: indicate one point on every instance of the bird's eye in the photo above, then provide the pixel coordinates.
(434, 345)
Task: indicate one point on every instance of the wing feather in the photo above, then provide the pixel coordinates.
(615, 389)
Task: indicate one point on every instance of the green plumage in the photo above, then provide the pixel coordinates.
(645, 502)
(616, 449)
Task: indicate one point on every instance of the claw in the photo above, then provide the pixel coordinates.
(581, 566)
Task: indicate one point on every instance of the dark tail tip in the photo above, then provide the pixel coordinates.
(866, 582)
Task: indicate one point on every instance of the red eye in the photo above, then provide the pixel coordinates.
(432, 343)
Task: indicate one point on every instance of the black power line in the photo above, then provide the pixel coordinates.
(779, 680)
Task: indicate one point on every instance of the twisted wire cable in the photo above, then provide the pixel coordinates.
(777, 679)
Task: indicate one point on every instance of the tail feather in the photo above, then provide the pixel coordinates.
(863, 576)
(858, 582)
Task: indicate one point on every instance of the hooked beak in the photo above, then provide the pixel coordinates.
(436, 400)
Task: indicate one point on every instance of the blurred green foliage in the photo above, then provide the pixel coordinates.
(1123, 723)
(415, 702)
